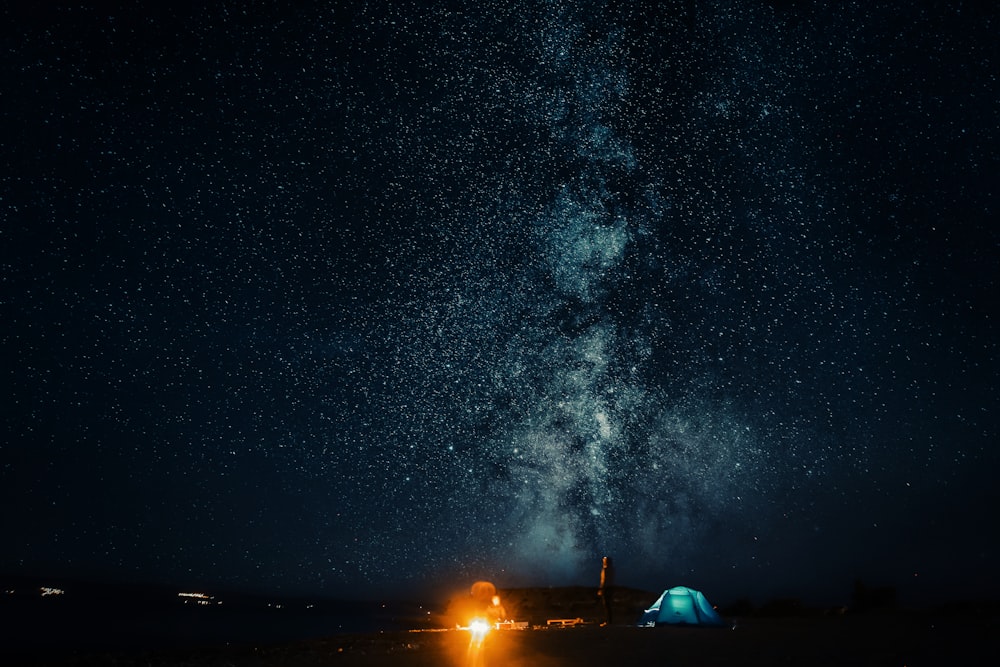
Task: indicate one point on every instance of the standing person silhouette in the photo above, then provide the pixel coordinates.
(607, 590)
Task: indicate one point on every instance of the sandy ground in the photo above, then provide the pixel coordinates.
(898, 639)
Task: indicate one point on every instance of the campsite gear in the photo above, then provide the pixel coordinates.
(681, 606)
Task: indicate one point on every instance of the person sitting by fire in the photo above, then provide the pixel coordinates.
(496, 613)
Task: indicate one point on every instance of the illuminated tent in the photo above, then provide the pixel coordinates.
(681, 606)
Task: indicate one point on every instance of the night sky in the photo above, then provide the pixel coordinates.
(391, 296)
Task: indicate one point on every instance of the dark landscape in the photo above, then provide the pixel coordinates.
(160, 630)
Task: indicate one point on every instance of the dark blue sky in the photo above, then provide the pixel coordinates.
(396, 295)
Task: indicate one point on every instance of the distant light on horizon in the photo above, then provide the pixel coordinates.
(199, 598)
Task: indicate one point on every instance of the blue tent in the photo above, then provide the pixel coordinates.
(681, 606)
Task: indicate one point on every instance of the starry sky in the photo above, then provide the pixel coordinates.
(379, 296)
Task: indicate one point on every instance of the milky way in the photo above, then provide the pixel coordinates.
(376, 295)
(566, 446)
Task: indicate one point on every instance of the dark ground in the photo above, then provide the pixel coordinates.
(910, 639)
